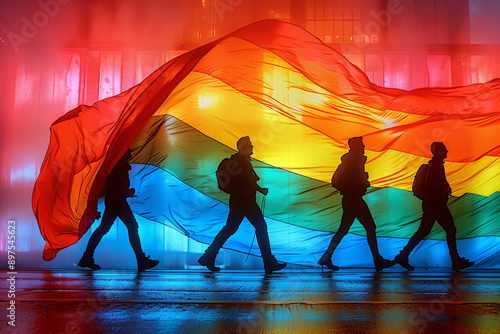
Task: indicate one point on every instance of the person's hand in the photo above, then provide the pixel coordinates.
(265, 191)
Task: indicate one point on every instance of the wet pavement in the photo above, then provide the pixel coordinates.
(292, 301)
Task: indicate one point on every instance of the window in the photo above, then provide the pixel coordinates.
(201, 18)
(334, 21)
(439, 70)
(483, 68)
(397, 71)
(110, 74)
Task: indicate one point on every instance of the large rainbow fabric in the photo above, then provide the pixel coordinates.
(299, 101)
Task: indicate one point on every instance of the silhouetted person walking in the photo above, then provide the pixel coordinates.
(435, 192)
(117, 206)
(241, 183)
(352, 181)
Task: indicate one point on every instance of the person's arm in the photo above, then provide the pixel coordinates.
(119, 182)
(262, 190)
(256, 178)
(446, 185)
(435, 179)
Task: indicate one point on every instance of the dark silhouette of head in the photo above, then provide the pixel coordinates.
(123, 162)
(356, 145)
(245, 146)
(439, 150)
(126, 156)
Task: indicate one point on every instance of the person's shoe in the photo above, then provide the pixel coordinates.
(209, 262)
(382, 263)
(88, 262)
(273, 265)
(146, 263)
(403, 262)
(461, 263)
(327, 262)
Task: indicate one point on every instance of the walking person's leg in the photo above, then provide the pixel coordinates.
(424, 229)
(366, 219)
(445, 219)
(128, 218)
(107, 221)
(255, 217)
(233, 222)
(345, 224)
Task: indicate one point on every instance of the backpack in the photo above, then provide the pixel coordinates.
(226, 174)
(419, 187)
(337, 177)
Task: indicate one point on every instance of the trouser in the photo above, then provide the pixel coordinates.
(123, 212)
(355, 207)
(238, 211)
(434, 211)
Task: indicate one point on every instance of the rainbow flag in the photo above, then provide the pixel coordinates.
(299, 101)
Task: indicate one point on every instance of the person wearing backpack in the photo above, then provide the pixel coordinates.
(237, 177)
(352, 181)
(431, 186)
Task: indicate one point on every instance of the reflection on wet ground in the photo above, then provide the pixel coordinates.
(292, 301)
